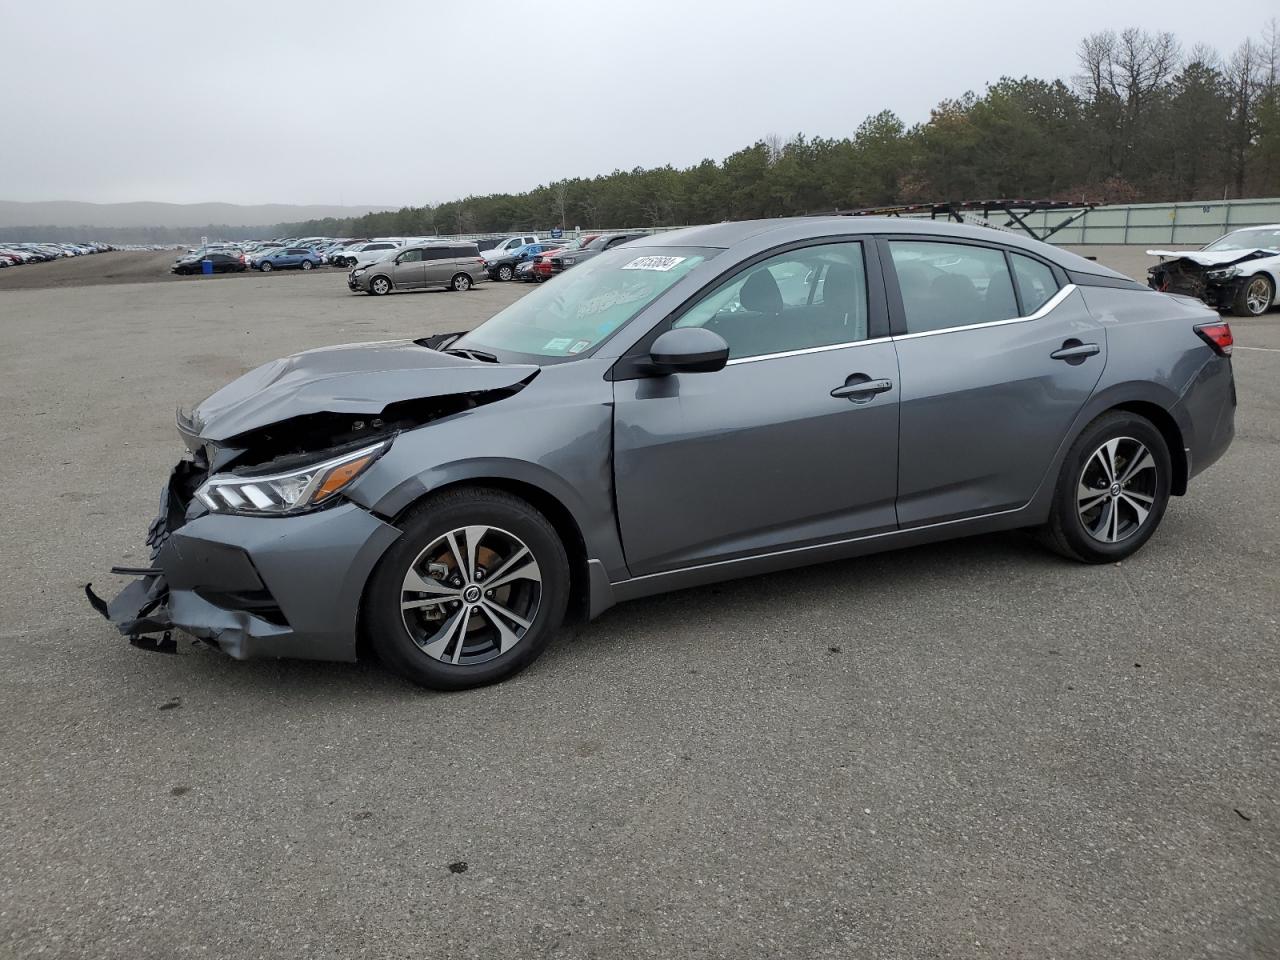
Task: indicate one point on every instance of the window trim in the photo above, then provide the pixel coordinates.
(893, 290)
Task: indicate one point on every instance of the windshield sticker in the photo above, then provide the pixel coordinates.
(654, 263)
(580, 346)
(558, 344)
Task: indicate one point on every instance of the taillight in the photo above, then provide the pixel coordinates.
(1218, 336)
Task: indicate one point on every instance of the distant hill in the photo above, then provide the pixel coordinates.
(70, 213)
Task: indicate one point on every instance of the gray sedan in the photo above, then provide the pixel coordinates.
(710, 403)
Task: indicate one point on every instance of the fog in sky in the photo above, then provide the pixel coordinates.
(390, 102)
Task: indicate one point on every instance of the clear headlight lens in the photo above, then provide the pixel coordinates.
(1224, 274)
(294, 491)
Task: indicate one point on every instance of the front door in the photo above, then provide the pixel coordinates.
(409, 270)
(996, 362)
(793, 443)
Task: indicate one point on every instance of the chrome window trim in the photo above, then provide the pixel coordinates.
(806, 350)
(1044, 310)
(1048, 306)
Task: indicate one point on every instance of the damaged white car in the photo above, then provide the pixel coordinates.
(1238, 272)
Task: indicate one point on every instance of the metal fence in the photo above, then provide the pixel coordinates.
(1138, 223)
(1166, 223)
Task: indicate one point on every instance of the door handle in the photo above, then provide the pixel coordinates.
(1073, 351)
(860, 388)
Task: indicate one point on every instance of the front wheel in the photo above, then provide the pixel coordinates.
(505, 272)
(471, 593)
(266, 266)
(379, 286)
(1254, 297)
(1112, 490)
(460, 282)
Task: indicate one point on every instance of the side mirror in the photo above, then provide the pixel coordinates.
(689, 350)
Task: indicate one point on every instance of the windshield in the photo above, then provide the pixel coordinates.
(582, 306)
(1265, 238)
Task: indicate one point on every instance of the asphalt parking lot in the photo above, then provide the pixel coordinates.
(967, 750)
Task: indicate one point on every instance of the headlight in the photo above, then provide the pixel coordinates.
(281, 494)
(1224, 274)
(358, 271)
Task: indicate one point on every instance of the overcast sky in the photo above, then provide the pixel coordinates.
(390, 102)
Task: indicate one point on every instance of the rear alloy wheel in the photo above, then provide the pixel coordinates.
(460, 282)
(307, 264)
(379, 286)
(505, 272)
(470, 594)
(1112, 491)
(1254, 297)
(266, 266)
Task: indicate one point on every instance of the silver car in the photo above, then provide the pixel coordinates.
(704, 404)
(452, 266)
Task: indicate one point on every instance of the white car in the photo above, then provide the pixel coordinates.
(1238, 272)
(366, 253)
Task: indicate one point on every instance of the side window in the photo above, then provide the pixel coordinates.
(774, 306)
(1036, 282)
(951, 284)
(411, 256)
(436, 253)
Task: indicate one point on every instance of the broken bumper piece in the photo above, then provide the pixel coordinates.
(252, 586)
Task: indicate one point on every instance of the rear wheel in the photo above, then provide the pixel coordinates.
(307, 264)
(460, 282)
(470, 594)
(1255, 296)
(505, 272)
(1112, 490)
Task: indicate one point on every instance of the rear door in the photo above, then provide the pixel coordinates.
(997, 357)
(794, 443)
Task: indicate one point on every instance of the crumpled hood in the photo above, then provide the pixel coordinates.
(1214, 258)
(358, 378)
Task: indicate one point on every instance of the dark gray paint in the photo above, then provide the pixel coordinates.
(696, 477)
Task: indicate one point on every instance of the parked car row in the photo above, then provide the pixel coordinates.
(17, 254)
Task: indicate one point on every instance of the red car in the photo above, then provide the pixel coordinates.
(542, 262)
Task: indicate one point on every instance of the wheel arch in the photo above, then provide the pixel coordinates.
(1163, 421)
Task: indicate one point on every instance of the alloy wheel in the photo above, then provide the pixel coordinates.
(1257, 296)
(471, 595)
(461, 282)
(1117, 490)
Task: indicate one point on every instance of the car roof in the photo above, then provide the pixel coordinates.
(725, 235)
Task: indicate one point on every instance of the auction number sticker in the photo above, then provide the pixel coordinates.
(654, 263)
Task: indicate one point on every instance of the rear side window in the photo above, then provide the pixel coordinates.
(464, 251)
(1036, 283)
(436, 253)
(951, 284)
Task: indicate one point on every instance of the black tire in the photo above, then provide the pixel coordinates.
(460, 282)
(266, 266)
(307, 265)
(1257, 290)
(384, 623)
(379, 286)
(1068, 530)
(506, 272)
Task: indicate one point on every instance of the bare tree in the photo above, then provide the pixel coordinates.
(1246, 79)
(773, 147)
(560, 201)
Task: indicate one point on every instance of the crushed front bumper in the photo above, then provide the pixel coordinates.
(252, 586)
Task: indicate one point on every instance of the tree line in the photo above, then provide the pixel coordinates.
(1143, 120)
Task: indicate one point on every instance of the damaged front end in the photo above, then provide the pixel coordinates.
(1215, 279)
(255, 548)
